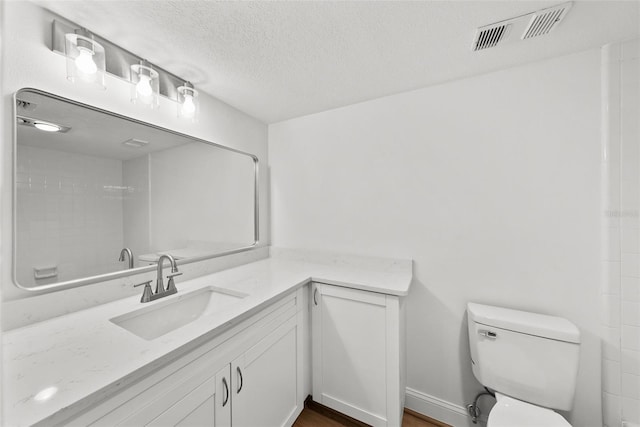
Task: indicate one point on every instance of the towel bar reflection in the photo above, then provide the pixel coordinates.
(48, 272)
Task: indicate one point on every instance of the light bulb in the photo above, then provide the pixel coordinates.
(84, 61)
(188, 106)
(144, 86)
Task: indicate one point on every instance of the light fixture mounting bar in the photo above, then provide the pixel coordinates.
(118, 59)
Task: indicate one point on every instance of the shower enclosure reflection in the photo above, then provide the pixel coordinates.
(89, 183)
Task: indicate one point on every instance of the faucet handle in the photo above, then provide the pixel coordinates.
(147, 283)
(171, 286)
(146, 294)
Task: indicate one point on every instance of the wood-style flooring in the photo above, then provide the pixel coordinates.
(314, 415)
(311, 418)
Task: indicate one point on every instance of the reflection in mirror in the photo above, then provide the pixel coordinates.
(89, 183)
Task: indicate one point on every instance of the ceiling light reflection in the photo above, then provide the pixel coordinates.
(45, 394)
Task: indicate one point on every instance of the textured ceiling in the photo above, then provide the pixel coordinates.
(279, 60)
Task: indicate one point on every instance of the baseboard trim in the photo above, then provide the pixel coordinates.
(437, 409)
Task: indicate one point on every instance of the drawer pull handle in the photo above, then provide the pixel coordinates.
(240, 376)
(226, 392)
(315, 293)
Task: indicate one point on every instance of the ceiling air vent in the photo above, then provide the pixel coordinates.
(490, 35)
(135, 143)
(545, 20)
(519, 28)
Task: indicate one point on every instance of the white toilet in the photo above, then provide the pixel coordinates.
(529, 360)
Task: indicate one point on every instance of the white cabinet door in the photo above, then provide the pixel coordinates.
(267, 380)
(207, 404)
(356, 353)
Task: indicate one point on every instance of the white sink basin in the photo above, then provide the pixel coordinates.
(162, 317)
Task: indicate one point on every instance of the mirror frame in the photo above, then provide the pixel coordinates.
(129, 272)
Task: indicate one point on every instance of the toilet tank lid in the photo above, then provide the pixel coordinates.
(541, 325)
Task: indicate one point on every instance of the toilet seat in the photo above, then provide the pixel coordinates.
(510, 412)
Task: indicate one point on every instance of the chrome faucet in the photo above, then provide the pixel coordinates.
(174, 269)
(126, 251)
(147, 294)
(171, 288)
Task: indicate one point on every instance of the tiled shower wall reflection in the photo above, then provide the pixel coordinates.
(66, 203)
(621, 284)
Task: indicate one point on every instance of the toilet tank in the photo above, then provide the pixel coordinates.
(528, 356)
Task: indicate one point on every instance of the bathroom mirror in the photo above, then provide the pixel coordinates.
(89, 182)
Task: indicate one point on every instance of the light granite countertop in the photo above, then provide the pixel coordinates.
(55, 367)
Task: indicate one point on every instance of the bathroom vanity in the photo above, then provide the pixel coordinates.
(243, 360)
(251, 374)
(230, 348)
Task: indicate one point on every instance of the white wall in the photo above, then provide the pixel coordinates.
(491, 184)
(28, 62)
(217, 187)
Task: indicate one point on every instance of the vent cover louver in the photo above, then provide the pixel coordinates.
(521, 27)
(490, 36)
(545, 20)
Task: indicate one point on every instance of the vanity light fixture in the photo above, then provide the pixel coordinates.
(90, 56)
(145, 86)
(188, 103)
(85, 58)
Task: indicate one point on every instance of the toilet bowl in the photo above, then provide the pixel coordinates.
(529, 360)
(510, 412)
